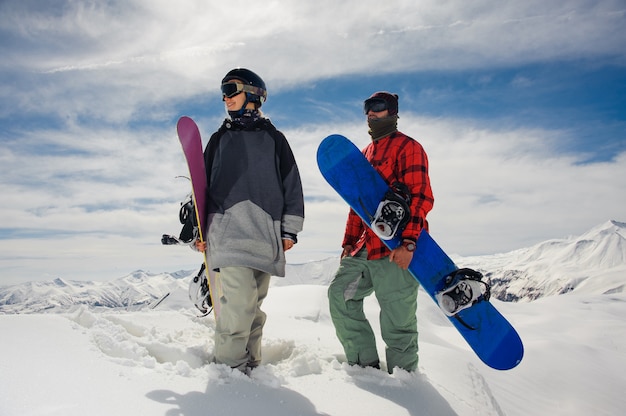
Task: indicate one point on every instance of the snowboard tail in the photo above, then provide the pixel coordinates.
(487, 332)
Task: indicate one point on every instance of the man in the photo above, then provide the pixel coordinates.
(367, 266)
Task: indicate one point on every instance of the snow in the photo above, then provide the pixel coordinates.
(121, 361)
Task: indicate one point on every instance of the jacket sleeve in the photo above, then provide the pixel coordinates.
(413, 172)
(210, 149)
(293, 211)
(209, 154)
(354, 229)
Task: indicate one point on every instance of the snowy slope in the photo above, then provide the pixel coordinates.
(594, 262)
(155, 362)
(132, 292)
(103, 361)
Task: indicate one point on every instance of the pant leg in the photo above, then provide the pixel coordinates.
(239, 304)
(396, 291)
(256, 330)
(346, 292)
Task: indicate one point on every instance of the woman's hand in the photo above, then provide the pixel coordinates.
(287, 244)
(200, 246)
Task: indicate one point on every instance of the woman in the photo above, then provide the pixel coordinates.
(255, 211)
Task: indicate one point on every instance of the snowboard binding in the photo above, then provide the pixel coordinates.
(199, 293)
(187, 216)
(393, 212)
(463, 289)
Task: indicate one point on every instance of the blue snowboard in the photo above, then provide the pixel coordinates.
(487, 332)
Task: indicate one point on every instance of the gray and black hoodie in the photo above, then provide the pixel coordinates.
(254, 196)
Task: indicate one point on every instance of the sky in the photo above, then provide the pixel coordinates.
(520, 106)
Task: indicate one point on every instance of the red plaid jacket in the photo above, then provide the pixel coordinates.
(398, 158)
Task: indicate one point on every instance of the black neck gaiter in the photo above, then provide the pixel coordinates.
(382, 127)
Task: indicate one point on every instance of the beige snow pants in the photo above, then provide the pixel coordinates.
(240, 324)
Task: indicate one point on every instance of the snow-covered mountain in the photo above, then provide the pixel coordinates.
(594, 262)
(137, 290)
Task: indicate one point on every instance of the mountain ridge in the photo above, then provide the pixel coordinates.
(558, 266)
(594, 262)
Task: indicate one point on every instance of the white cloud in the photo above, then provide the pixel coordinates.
(498, 190)
(495, 190)
(91, 197)
(146, 54)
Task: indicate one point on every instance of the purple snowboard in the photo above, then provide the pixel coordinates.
(190, 139)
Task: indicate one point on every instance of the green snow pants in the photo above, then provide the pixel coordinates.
(240, 325)
(396, 292)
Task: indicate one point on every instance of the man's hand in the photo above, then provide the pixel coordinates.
(401, 256)
(347, 250)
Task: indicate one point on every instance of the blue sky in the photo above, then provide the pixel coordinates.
(520, 106)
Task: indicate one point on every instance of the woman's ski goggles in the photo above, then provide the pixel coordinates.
(375, 105)
(230, 89)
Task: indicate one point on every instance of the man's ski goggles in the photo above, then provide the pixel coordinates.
(230, 89)
(375, 105)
